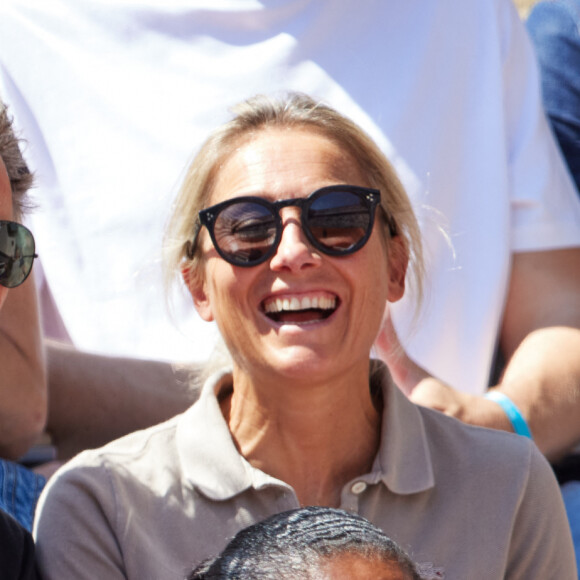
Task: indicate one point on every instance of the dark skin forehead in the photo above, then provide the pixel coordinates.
(359, 567)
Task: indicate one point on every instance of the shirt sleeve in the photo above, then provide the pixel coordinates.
(544, 203)
(75, 526)
(541, 542)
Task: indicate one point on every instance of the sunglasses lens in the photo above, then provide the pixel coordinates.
(16, 253)
(245, 232)
(339, 221)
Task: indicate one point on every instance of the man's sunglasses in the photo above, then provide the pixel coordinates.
(16, 253)
(246, 231)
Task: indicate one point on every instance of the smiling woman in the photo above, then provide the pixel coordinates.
(256, 115)
(294, 234)
(311, 214)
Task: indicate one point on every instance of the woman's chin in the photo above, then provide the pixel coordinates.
(300, 362)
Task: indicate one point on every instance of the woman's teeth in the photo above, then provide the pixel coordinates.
(294, 304)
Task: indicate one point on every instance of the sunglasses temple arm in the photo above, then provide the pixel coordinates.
(391, 223)
(190, 245)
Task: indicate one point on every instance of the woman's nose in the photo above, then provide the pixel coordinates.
(294, 251)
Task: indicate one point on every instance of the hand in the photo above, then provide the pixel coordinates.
(435, 394)
(427, 391)
(405, 372)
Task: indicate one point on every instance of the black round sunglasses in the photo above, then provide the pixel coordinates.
(246, 231)
(17, 253)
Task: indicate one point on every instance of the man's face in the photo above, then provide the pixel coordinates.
(5, 210)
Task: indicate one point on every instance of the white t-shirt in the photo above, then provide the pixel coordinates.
(115, 96)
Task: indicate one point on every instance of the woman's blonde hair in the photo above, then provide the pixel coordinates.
(292, 111)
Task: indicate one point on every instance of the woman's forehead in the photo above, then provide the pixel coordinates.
(282, 163)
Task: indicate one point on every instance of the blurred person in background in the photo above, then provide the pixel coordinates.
(555, 31)
(23, 403)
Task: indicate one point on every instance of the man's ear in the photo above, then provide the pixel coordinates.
(197, 288)
(398, 262)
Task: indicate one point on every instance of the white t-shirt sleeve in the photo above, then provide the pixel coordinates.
(544, 203)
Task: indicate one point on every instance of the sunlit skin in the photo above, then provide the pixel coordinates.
(285, 370)
(5, 210)
(357, 567)
(282, 165)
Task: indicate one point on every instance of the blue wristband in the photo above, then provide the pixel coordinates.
(513, 413)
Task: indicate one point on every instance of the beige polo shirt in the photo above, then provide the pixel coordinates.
(473, 502)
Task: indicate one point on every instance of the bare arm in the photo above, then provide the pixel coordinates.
(95, 399)
(540, 339)
(23, 390)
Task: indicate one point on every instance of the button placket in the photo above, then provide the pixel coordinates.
(358, 487)
(351, 495)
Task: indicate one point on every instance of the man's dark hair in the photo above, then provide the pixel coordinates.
(18, 172)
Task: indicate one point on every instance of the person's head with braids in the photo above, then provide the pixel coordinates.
(312, 543)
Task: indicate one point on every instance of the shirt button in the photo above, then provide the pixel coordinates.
(358, 487)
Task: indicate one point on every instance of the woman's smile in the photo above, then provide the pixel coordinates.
(302, 309)
(302, 312)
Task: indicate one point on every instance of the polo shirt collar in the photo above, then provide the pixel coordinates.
(403, 462)
(212, 463)
(208, 454)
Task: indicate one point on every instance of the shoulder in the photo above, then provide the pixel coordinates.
(152, 457)
(454, 434)
(132, 453)
(499, 455)
(105, 475)
(452, 448)
(87, 505)
(504, 483)
(447, 440)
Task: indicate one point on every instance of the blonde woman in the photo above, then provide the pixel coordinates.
(292, 232)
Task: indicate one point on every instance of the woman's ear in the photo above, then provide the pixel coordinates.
(197, 288)
(398, 262)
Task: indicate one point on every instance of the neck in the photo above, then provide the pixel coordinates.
(315, 437)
